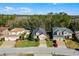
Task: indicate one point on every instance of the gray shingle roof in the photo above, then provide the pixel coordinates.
(39, 30)
(61, 29)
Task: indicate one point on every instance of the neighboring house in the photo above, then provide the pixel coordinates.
(77, 34)
(39, 33)
(15, 33)
(3, 32)
(60, 33)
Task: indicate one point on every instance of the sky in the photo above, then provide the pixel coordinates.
(39, 8)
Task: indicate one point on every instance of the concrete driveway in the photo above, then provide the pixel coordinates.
(8, 44)
(42, 43)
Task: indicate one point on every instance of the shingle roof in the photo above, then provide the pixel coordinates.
(39, 30)
(61, 29)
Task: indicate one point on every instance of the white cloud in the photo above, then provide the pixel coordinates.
(13, 10)
(7, 8)
(24, 9)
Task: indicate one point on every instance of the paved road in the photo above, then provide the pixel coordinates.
(8, 44)
(39, 50)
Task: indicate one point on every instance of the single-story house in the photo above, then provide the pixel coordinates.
(61, 33)
(39, 33)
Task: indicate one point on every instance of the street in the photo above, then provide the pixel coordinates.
(39, 50)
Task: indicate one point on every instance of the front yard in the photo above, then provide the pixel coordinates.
(49, 43)
(26, 43)
(1, 43)
(71, 44)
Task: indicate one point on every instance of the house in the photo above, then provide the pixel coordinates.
(17, 31)
(60, 33)
(14, 34)
(77, 35)
(39, 33)
(3, 31)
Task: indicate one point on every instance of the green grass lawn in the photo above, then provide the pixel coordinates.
(26, 43)
(49, 43)
(71, 44)
(1, 42)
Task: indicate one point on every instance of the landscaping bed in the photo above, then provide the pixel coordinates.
(26, 43)
(71, 44)
(49, 43)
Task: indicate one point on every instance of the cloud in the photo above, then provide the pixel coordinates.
(24, 9)
(7, 8)
(13, 10)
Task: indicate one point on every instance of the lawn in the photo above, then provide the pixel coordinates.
(1, 43)
(25, 54)
(49, 43)
(26, 43)
(71, 44)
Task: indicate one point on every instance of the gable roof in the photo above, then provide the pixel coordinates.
(61, 29)
(39, 30)
(17, 30)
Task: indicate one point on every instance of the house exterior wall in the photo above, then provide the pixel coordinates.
(42, 37)
(11, 38)
(16, 33)
(58, 38)
(5, 32)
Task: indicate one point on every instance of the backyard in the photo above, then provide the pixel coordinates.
(26, 43)
(71, 44)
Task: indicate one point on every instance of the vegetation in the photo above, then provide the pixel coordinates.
(71, 44)
(1, 41)
(49, 43)
(44, 21)
(26, 43)
(5, 19)
(25, 54)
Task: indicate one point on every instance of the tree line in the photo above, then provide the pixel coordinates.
(47, 22)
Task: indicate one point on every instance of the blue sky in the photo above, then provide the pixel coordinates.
(39, 8)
